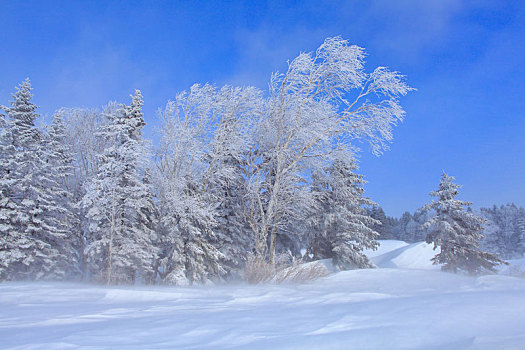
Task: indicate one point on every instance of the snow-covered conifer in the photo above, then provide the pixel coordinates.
(118, 200)
(457, 232)
(57, 178)
(34, 241)
(503, 234)
(341, 226)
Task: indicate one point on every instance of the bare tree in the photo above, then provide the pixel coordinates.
(324, 102)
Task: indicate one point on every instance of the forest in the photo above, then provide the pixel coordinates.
(239, 178)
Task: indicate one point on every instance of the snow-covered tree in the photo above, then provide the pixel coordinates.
(118, 202)
(385, 224)
(58, 170)
(86, 143)
(340, 225)
(224, 179)
(457, 232)
(188, 254)
(521, 224)
(9, 252)
(325, 99)
(409, 228)
(35, 243)
(503, 234)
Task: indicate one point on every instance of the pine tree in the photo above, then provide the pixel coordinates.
(503, 234)
(9, 252)
(383, 225)
(188, 255)
(457, 232)
(521, 223)
(119, 202)
(57, 171)
(33, 238)
(60, 154)
(342, 227)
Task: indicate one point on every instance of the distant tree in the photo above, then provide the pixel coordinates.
(521, 223)
(409, 228)
(503, 234)
(384, 225)
(340, 226)
(399, 231)
(457, 232)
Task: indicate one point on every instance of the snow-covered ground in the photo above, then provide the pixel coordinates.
(408, 256)
(413, 305)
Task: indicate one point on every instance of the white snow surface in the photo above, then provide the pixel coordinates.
(515, 267)
(408, 256)
(407, 307)
(385, 247)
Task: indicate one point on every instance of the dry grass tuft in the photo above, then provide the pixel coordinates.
(258, 270)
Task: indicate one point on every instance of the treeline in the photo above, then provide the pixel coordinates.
(503, 232)
(238, 175)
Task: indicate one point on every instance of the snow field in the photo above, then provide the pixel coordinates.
(384, 308)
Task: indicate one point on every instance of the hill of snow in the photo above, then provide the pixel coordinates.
(398, 254)
(516, 267)
(385, 246)
(381, 308)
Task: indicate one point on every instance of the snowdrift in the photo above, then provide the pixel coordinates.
(361, 309)
(398, 254)
(406, 303)
(516, 267)
(385, 246)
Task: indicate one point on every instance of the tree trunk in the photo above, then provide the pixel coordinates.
(273, 244)
(110, 251)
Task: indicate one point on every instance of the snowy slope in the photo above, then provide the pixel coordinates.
(516, 267)
(385, 246)
(410, 256)
(361, 309)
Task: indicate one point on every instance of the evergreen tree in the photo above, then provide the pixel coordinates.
(59, 169)
(382, 225)
(34, 240)
(342, 227)
(503, 234)
(119, 202)
(192, 257)
(521, 223)
(9, 235)
(457, 232)
(400, 230)
(409, 228)
(60, 155)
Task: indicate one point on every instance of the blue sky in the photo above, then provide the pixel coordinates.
(466, 58)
